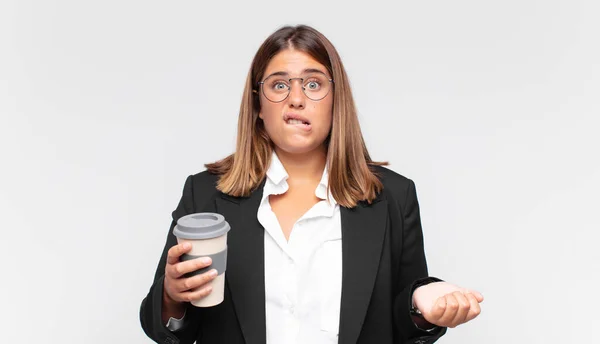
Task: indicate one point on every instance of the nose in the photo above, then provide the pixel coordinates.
(297, 98)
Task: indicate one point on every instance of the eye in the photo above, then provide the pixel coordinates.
(313, 85)
(279, 86)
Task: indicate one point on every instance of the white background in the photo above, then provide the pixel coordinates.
(490, 107)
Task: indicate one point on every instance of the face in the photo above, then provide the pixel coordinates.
(298, 124)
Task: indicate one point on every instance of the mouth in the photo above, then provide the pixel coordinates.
(297, 121)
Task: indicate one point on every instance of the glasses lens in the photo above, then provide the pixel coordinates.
(315, 86)
(276, 88)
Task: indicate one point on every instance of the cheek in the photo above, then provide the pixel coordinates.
(326, 115)
(270, 114)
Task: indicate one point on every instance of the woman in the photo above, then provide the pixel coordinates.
(326, 245)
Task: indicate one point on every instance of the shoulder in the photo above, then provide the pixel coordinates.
(395, 185)
(392, 180)
(200, 188)
(204, 180)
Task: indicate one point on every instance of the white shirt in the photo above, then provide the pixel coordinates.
(303, 276)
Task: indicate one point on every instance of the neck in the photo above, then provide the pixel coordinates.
(307, 166)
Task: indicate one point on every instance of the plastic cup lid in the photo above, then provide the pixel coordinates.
(201, 226)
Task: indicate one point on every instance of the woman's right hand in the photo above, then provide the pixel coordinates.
(186, 289)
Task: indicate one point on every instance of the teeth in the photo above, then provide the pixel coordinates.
(294, 121)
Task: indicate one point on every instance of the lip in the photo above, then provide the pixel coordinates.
(304, 127)
(290, 115)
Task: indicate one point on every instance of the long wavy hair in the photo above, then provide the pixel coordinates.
(351, 171)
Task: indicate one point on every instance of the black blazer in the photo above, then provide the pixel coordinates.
(382, 258)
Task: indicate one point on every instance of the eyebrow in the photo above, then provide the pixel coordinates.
(305, 71)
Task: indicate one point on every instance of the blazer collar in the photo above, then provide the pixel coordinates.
(363, 229)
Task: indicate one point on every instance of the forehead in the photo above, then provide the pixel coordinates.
(293, 62)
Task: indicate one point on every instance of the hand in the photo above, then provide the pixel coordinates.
(179, 288)
(444, 304)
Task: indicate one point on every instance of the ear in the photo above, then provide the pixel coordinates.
(258, 99)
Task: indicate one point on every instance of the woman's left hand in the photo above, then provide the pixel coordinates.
(444, 304)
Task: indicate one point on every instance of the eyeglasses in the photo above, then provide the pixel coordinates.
(277, 87)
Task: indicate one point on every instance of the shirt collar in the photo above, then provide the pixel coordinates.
(276, 172)
(277, 177)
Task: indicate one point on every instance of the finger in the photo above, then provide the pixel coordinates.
(463, 308)
(475, 309)
(478, 295)
(437, 311)
(176, 251)
(182, 268)
(194, 282)
(451, 310)
(197, 294)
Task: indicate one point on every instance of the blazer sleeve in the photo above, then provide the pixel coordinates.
(412, 270)
(151, 307)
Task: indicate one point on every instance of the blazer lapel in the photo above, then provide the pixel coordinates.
(245, 276)
(363, 229)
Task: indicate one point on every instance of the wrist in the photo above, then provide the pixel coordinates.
(419, 320)
(423, 324)
(416, 285)
(416, 314)
(170, 303)
(171, 308)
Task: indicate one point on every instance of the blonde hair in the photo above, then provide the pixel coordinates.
(351, 170)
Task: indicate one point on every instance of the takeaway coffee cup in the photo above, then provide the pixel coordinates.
(207, 232)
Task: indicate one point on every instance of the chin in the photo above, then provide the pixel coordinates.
(295, 149)
(298, 148)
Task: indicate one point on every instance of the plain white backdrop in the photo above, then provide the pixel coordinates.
(490, 107)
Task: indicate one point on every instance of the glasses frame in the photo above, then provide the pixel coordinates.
(289, 87)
